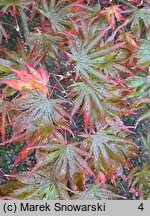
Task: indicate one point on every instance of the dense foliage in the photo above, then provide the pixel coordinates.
(73, 76)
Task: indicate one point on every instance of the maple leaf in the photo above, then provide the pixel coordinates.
(140, 179)
(138, 17)
(87, 52)
(111, 13)
(129, 39)
(96, 101)
(113, 65)
(110, 151)
(36, 111)
(30, 56)
(143, 53)
(29, 80)
(37, 118)
(99, 56)
(34, 139)
(49, 42)
(58, 12)
(39, 186)
(23, 55)
(12, 5)
(141, 95)
(95, 192)
(89, 100)
(66, 159)
(141, 86)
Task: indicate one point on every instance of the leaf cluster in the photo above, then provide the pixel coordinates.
(74, 63)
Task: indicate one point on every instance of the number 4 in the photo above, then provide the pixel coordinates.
(141, 207)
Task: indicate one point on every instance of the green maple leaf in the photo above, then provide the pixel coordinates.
(37, 118)
(90, 53)
(68, 161)
(143, 53)
(9, 4)
(110, 150)
(57, 13)
(22, 56)
(138, 16)
(66, 158)
(96, 192)
(39, 186)
(36, 111)
(146, 142)
(140, 179)
(89, 100)
(141, 94)
(95, 100)
(47, 40)
(141, 85)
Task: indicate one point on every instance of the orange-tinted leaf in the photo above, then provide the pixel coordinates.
(29, 80)
(111, 13)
